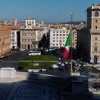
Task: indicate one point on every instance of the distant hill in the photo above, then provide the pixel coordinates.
(75, 23)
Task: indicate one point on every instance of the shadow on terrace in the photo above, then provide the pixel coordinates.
(37, 86)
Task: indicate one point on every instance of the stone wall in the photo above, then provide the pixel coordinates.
(7, 73)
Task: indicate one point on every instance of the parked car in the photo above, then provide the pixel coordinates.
(31, 53)
(1, 57)
(96, 85)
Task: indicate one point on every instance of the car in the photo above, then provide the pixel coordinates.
(36, 70)
(33, 70)
(96, 85)
(30, 53)
(55, 66)
(43, 69)
(30, 70)
(1, 57)
(4, 56)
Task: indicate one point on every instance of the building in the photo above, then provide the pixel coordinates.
(30, 35)
(14, 21)
(89, 38)
(4, 41)
(93, 24)
(83, 44)
(30, 23)
(15, 39)
(58, 37)
(29, 38)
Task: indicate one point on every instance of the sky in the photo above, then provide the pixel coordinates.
(45, 10)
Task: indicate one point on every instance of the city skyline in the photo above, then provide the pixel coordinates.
(45, 10)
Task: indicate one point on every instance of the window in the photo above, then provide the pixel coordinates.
(95, 27)
(60, 41)
(95, 38)
(96, 20)
(13, 33)
(56, 34)
(95, 49)
(12, 40)
(96, 14)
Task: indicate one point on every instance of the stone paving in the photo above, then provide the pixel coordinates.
(5, 89)
(29, 91)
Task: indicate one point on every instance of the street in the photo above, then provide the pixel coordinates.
(11, 60)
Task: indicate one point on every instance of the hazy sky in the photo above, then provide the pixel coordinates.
(46, 10)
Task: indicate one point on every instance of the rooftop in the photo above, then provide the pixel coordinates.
(98, 4)
(30, 18)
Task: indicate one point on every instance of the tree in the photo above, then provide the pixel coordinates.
(44, 42)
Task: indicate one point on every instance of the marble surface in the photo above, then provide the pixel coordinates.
(29, 91)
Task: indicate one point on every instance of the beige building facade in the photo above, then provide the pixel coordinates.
(4, 41)
(30, 35)
(58, 37)
(93, 24)
(29, 38)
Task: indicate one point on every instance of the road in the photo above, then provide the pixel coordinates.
(11, 60)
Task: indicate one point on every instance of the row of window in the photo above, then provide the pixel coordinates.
(25, 34)
(58, 44)
(26, 46)
(59, 41)
(60, 34)
(60, 31)
(26, 40)
(31, 21)
(63, 38)
(60, 37)
(62, 44)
